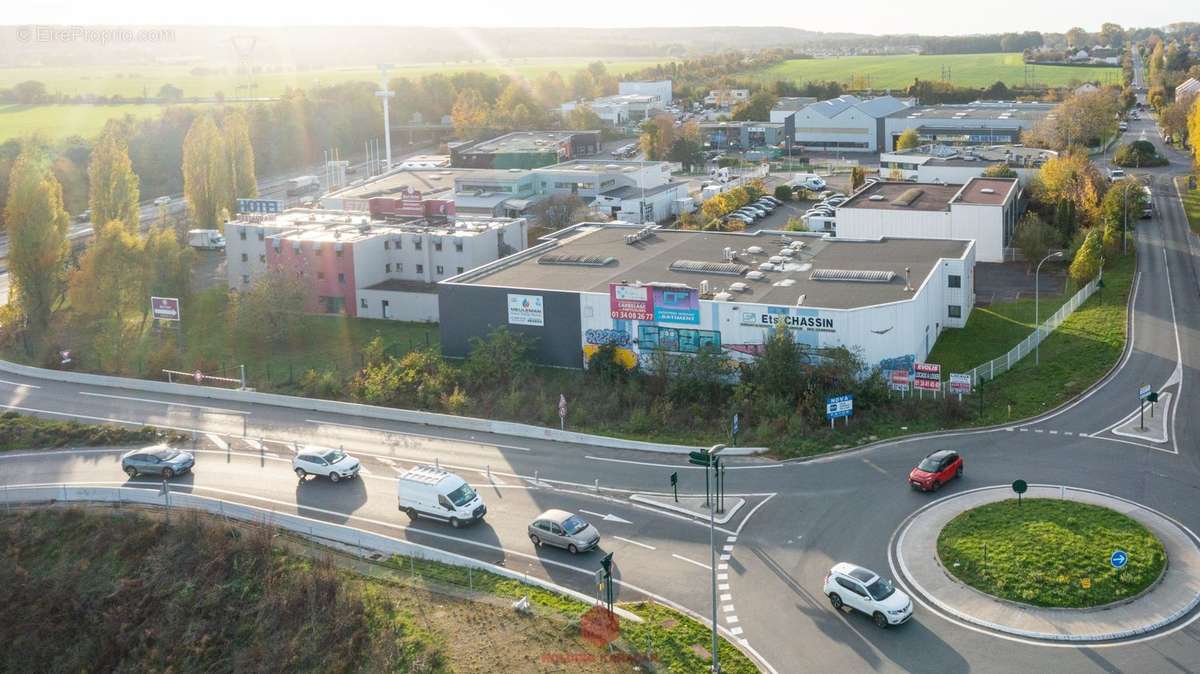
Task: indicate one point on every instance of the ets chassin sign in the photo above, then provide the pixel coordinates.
(768, 319)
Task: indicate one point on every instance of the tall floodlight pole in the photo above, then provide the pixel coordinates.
(713, 453)
(1037, 295)
(385, 94)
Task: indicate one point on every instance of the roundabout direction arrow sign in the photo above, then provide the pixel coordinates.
(1020, 487)
(1118, 559)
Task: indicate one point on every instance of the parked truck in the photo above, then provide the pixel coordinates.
(303, 185)
(206, 239)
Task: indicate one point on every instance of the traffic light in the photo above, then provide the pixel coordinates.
(674, 479)
(700, 458)
(606, 563)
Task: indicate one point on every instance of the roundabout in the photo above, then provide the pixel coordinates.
(1090, 605)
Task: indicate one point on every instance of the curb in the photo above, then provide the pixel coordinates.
(894, 551)
(723, 519)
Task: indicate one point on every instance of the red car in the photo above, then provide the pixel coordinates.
(936, 470)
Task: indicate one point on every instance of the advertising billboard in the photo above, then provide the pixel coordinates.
(526, 310)
(165, 308)
(630, 303)
(675, 304)
(960, 383)
(927, 376)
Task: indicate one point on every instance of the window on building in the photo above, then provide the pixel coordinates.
(262, 258)
(399, 267)
(399, 244)
(417, 244)
(437, 245)
(261, 235)
(460, 270)
(245, 279)
(245, 257)
(440, 270)
(320, 276)
(420, 269)
(362, 304)
(458, 245)
(339, 252)
(387, 268)
(387, 245)
(955, 311)
(341, 277)
(954, 280)
(242, 234)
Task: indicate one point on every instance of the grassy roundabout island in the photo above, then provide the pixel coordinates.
(1050, 552)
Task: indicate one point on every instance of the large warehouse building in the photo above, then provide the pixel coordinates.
(525, 149)
(643, 289)
(978, 123)
(845, 124)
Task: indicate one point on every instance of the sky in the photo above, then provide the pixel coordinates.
(928, 17)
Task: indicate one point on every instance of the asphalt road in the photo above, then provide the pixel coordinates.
(800, 517)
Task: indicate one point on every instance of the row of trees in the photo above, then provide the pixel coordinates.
(1084, 119)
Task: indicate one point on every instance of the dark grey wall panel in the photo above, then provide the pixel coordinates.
(466, 311)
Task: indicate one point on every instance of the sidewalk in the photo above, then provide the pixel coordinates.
(1174, 596)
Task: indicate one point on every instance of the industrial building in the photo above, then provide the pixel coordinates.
(978, 123)
(645, 289)
(845, 124)
(659, 88)
(745, 136)
(984, 210)
(788, 105)
(354, 265)
(957, 164)
(525, 149)
(726, 98)
(621, 109)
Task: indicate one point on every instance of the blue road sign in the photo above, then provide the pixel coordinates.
(1119, 559)
(837, 407)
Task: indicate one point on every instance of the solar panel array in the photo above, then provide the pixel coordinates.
(696, 266)
(859, 275)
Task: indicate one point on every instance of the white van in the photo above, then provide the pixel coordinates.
(809, 181)
(426, 491)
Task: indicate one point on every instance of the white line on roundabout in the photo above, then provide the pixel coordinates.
(902, 581)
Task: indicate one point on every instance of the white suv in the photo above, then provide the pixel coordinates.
(323, 461)
(866, 591)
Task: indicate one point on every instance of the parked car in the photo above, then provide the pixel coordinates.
(1124, 126)
(324, 462)
(740, 218)
(1115, 174)
(936, 470)
(429, 491)
(749, 211)
(756, 209)
(765, 204)
(564, 530)
(84, 216)
(162, 201)
(161, 460)
(836, 201)
(771, 199)
(866, 591)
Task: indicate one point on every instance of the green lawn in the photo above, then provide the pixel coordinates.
(23, 432)
(61, 121)
(145, 80)
(966, 70)
(1191, 203)
(1049, 552)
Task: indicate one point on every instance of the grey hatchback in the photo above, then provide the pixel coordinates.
(565, 530)
(160, 460)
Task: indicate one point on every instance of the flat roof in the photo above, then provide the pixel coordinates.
(403, 285)
(602, 166)
(427, 181)
(649, 261)
(995, 110)
(986, 191)
(793, 102)
(904, 196)
(739, 124)
(320, 225)
(521, 141)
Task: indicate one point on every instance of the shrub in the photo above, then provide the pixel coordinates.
(323, 384)
(783, 193)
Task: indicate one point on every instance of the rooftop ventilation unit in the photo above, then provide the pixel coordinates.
(722, 297)
(858, 275)
(907, 197)
(755, 275)
(987, 190)
(787, 252)
(640, 235)
(754, 250)
(577, 260)
(875, 197)
(739, 287)
(785, 283)
(777, 259)
(696, 266)
(766, 266)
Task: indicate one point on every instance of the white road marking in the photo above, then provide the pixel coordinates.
(723, 587)
(1053, 432)
(220, 410)
(13, 383)
(726, 597)
(1038, 430)
(363, 469)
(1010, 429)
(1024, 430)
(691, 561)
(736, 631)
(1068, 432)
(728, 608)
(417, 435)
(731, 619)
(722, 576)
(218, 441)
(637, 543)
(872, 465)
(725, 557)
(254, 444)
(677, 466)
(728, 548)
(731, 539)
(722, 567)
(607, 518)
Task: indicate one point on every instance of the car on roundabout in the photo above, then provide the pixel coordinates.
(161, 460)
(334, 464)
(936, 470)
(564, 530)
(867, 592)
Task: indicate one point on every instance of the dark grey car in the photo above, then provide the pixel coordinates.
(165, 462)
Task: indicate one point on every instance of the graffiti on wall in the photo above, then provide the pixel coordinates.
(898, 363)
(600, 337)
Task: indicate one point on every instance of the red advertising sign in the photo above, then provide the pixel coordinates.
(899, 380)
(928, 376)
(630, 302)
(165, 308)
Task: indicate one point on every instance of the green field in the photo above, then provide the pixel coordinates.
(61, 121)
(138, 81)
(966, 70)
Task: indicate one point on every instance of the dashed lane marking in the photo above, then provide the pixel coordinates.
(217, 440)
(728, 608)
(18, 384)
(691, 561)
(736, 631)
(731, 619)
(637, 543)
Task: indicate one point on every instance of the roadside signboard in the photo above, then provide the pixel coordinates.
(165, 308)
(928, 376)
(1020, 486)
(526, 310)
(630, 302)
(899, 380)
(1144, 392)
(837, 407)
(259, 206)
(960, 383)
(562, 405)
(1119, 559)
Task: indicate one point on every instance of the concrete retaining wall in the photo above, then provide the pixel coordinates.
(355, 409)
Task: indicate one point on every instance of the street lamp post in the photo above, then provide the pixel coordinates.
(713, 453)
(1037, 296)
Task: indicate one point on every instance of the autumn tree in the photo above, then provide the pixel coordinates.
(207, 182)
(37, 241)
(1086, 264)
(241, 158)
(756, 108)
(106, 290)
(1193, 126)
(858, 177)
(658, 134)
(999, 170)
(908, 140)
(113, 194)
(1121, 205)
(270, 311)
(583, 118)
(469, 114)
(1034, 238)
(1070, 186)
